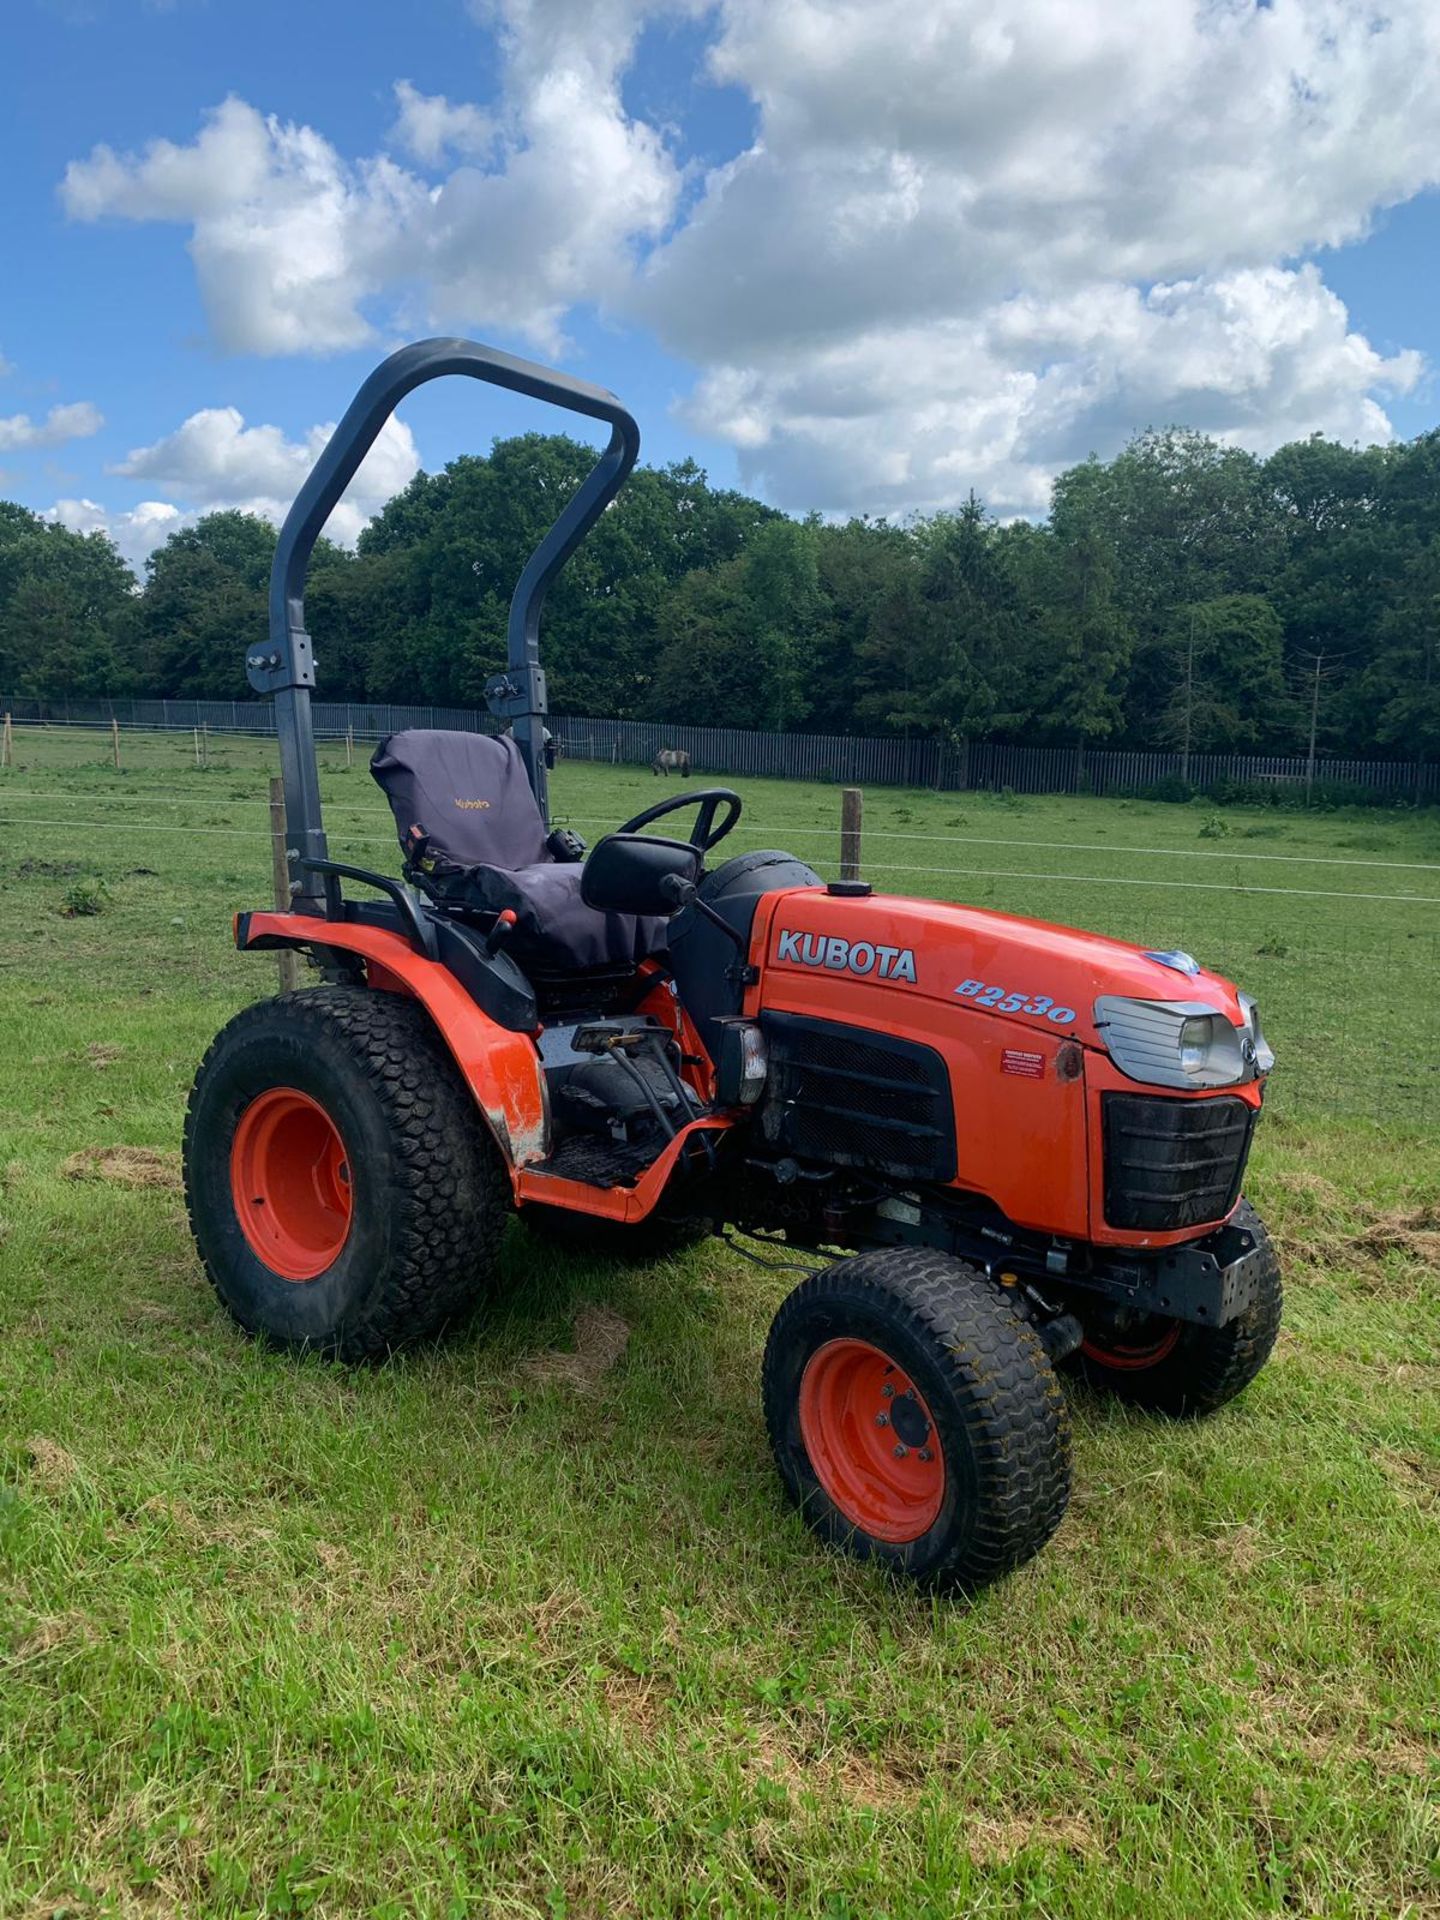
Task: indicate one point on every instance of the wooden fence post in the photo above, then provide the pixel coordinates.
(197, 746)
(7, 744)
(286, 956)
(852, 804)
(115, 739)
(205, 743)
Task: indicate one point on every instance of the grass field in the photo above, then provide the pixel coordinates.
(519, 1627)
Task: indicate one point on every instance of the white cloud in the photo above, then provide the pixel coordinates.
(214, 460)
(972, 240)
(975, 241)
(946, 152)
(429, 126)
(74, 422)
(6, 366)
(282, 231)
(293, 245)
(135, 532)
(912, 416)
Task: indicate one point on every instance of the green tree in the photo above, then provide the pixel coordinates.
(1400, 688)
(66, 610)
(1227, 689)
(1081, 641)
(942, 655)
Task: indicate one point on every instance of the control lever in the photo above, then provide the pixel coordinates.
(684, 893)
(501, 931)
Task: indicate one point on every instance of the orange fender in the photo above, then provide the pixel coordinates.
(501, 1069)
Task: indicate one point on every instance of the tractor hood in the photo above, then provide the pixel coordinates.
(1026, 971)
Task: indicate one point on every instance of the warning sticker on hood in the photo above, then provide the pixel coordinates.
(1030, 1066)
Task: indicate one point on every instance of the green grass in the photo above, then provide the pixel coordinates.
(460, 1637)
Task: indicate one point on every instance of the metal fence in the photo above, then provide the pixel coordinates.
(842, 758)
(1338, 935)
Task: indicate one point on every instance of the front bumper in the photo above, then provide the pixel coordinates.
(1209, 1282)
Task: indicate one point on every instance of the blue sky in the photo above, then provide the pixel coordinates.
(854, 257)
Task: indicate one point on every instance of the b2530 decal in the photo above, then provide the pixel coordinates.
(1004, 1002)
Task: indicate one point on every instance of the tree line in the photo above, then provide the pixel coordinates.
(1182, 594)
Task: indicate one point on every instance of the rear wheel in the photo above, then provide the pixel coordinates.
(343, 1192)
(915, 1419)
(1175, 1367)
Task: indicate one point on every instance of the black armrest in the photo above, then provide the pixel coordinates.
(412, 915)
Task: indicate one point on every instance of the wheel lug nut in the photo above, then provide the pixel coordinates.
(882, 1419)
(888, 1391)
(926, 1454)
(900, 1452)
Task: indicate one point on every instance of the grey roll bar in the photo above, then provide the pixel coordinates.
(286, 668)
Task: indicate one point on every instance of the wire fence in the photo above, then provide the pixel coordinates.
(942, 766)
(1337, 933)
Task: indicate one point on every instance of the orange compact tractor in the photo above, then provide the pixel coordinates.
(1002, 1147)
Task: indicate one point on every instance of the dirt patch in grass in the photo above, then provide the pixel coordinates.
(1415, 1232)
(51, 1466)
(869, 1782)
(1321, 1227)
(153, 1312)
(101, 1054)
(636, 1701)
(601, 1338)
(239, 1534)
(996, 1842)
(337, 1560)
(1412, 1475)
(49, 1631)
(125, 1166)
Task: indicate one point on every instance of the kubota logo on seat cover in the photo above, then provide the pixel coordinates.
(843, 956)
(473, 806)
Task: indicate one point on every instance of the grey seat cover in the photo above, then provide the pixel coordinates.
(469, 793)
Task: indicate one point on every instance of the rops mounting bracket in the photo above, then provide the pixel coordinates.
(268, 670)
(507, 698)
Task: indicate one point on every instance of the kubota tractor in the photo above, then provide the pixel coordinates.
(1000, 1146)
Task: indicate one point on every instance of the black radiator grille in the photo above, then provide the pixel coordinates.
(1173, 1163)
(851, 1097)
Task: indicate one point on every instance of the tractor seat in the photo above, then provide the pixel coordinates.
(469, 824)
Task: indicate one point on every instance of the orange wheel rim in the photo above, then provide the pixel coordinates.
(871, 1440)
(290, 1181)
(1134, 1356)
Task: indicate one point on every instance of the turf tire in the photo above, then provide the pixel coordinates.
(1000, 1416)
(1205, 1366)
(429, 1195)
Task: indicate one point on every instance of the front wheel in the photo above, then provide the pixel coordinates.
(916, 1419)
(343, 1192)
(1174, 1366)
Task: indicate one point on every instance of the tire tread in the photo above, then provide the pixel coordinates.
(456, 1194)
(1210, 1365)
(1016, 1414)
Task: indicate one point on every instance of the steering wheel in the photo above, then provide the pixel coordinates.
(704, 834)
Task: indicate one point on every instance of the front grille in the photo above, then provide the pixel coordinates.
(1172, 1163)
(852, 1097)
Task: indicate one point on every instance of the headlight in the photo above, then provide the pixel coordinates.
(1177, 1043)
(1264, 1053)
(741, 1064)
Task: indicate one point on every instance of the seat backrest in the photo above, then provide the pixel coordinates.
(467, 791)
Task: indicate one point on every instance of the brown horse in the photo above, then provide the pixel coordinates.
(671, 760)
